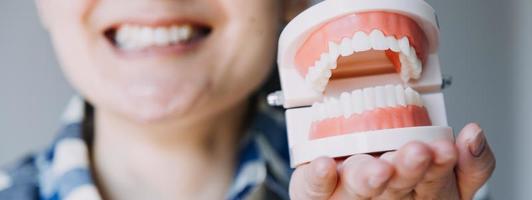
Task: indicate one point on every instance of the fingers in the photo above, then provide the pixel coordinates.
(476, 161)
(362, 177)
(411, 163)
(314, 181)
(439, 181)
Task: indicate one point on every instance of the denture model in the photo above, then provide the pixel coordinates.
(361, 76)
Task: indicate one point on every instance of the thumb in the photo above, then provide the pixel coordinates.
(314, 181)
(476, 161)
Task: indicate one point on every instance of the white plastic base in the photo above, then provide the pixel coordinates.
(365, 142)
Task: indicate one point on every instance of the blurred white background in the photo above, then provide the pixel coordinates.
(485, 46)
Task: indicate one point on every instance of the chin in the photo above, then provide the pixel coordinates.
(151, 103)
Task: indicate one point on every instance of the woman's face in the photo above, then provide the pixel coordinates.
(151, 60)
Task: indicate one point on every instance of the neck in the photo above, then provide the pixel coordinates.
(169, 160)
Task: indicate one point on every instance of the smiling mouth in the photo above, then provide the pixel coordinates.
(129, 38)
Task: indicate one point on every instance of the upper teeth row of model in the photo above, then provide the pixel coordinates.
(133, 37)
(318, 75)
(366, 99)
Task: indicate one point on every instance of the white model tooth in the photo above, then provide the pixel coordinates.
(390, 96)
(324, 58)
(319, 85)
(345, 99)
(405, 67)
(311, 75)
(394, 45)
(321, 64)
(369, 99)
(360, 42)
(416, 69)
(345, 47)
(334, 52)
(357, 97)
(322, 82)
(413, 54)
(410, 95)
(380, 97)
(404, 45)
(326, 74)
(336, 108)
(378, 41)
(332, 62)
(400, 95)
(418, 100)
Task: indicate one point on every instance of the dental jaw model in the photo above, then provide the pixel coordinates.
(361, 76)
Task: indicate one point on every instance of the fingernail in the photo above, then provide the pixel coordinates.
(477, 144)
(376, 181)
(414, 160)
(321, 169)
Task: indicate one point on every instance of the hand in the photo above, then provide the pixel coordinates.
(440, 170)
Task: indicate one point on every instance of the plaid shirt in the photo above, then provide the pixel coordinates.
(62, 172)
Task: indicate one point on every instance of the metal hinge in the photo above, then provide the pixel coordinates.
(446, 81)
(276, 98)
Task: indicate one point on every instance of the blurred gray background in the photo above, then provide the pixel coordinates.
(485, 47)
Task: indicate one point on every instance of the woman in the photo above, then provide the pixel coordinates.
(170, 113)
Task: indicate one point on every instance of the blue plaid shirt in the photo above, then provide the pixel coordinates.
(62, 171)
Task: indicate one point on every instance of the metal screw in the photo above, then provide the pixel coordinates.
(276, 98)
(446, 82)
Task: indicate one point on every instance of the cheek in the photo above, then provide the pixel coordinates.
(249, 40)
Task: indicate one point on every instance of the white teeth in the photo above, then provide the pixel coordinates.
(123, 34)
(327, 74)
(324, 58)
(390, 96)
(400, 95)
(345, 47)
(358, 101)
(394, 45)
(360, 42)
(345, 99)
(334, 51)
(131, 37)
(411, 65)
(335, 108)
(147, 36)
(367, 99)
(380, 97)
(378, 41)
(405, 68)
(416, 69)
(162, 36)
(404, 45)
(412, 97)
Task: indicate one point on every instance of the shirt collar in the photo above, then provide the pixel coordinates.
(64, 168)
